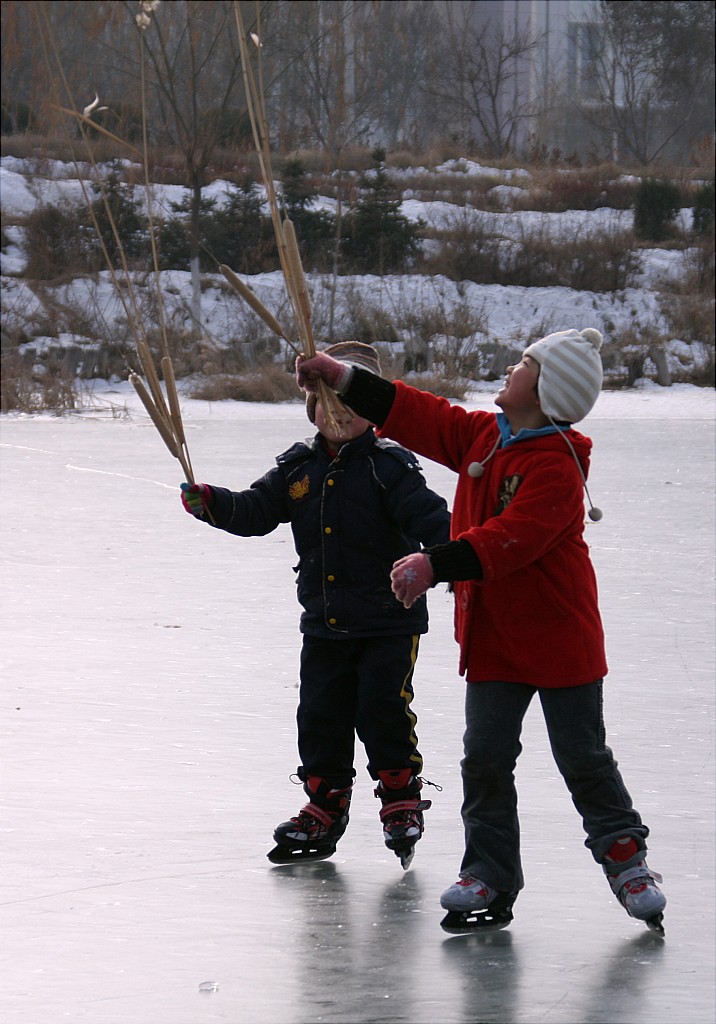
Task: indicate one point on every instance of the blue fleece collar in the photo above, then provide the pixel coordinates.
(508, 438)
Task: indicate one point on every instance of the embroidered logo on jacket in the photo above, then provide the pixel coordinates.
(508, 489)
(299, 489)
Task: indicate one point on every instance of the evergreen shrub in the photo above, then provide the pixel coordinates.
(704, 209)
(655, 206)
(122, 227)
(378, 238)
(315, 229)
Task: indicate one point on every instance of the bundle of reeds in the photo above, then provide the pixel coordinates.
(164, 410)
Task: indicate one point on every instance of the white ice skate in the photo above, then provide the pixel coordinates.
(638, 893)
(472, 905)
(467, 893)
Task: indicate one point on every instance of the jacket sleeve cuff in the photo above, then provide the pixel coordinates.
(370, 396)
(454, 561)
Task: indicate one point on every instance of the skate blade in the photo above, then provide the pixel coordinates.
(295, 854)
(655, 924)
(405, 857)
(465, 922)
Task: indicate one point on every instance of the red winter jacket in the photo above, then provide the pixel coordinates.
(534, 616)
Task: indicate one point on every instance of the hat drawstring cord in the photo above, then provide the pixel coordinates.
(595, 514)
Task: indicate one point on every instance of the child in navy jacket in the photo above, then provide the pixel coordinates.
(356, 504)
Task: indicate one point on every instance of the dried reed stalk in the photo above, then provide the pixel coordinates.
(159, 422)
(166, 417)
(175, 412)
(289, 255)
(327, 398)
(100, 129)
(256, 304)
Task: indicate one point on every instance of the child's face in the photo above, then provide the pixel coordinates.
(348, 424)
(519, 392)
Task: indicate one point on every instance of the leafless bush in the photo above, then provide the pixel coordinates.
(603, 261)
(687, 304)
(362, 319)
(267, 383)
(449, 337)
(24, 389)
(439, 385)
(691, 317)
(699, 276)
(593, 188)
(466, 249)
(624, 357)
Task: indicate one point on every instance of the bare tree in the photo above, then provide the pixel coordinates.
(398, 55)
(179, 65)
(485, 77)
(50, 56)
(324, 98)
(651, 75)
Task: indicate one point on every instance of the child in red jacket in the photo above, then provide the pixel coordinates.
(526, 610)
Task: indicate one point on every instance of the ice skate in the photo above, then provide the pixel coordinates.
(402, 812)
(472, 905)
(635, 886)
(314, 832)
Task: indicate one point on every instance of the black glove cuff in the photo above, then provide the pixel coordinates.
(454, 561)
(370, 396)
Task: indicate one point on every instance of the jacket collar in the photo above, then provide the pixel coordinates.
(348, 448)
(525, 434)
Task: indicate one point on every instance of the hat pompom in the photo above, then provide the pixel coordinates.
(593, 335)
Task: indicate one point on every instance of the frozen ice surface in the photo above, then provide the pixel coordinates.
(148, 700)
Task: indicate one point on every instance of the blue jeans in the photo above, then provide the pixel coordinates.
(494, 712)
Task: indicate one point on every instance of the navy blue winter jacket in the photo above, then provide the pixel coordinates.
(352, 516)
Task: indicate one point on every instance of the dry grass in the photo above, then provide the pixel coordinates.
(269, 383)
(23, 389)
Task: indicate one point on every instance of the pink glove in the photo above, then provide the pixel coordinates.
(196, 499)
(321, 366)
(411, 577)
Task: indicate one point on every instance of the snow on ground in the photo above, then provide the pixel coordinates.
(510, 314)
(507, 314)
(148, 700)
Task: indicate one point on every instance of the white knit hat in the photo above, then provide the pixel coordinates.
(571, 373)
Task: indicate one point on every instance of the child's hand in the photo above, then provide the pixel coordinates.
(411, 577)
(322, 367)
(196, 499)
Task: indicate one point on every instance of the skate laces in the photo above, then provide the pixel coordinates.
(398, 811)
(427, 782)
